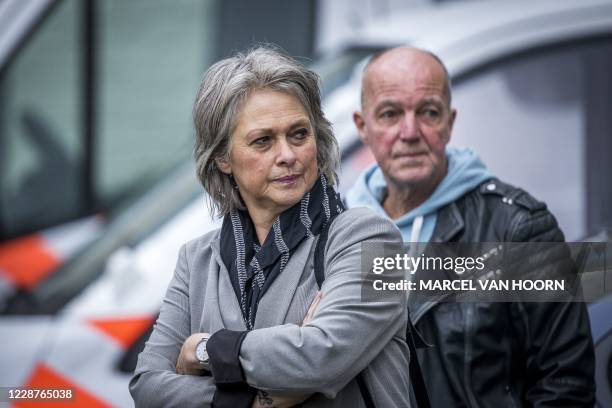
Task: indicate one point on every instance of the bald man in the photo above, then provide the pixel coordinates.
(483, 354)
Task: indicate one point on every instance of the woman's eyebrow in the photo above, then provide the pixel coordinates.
(257, 132)
(300, 123)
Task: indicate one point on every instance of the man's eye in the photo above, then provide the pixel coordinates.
(431, 113)
(387, 114)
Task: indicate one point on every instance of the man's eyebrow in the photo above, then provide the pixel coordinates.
(386, 102)
(431, 99)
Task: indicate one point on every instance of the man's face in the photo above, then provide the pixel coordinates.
(406, 119)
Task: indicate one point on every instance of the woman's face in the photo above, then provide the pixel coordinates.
(273, 152)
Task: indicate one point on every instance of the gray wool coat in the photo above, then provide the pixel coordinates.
(322, 358)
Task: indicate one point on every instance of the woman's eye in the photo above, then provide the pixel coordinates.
(261, 141)
(301, 134)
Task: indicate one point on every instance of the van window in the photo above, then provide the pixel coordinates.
(541, 121)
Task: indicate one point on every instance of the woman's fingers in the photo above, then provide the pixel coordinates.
(312, 309)
(187, 362)
(264, 399)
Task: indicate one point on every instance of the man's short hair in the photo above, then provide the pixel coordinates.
(374, 57)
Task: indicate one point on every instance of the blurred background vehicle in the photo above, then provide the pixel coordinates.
(97, 189)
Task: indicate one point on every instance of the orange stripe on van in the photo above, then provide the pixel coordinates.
(125, 331)
(45, 377)
(26, 261)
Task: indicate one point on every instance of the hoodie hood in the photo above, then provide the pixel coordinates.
(465, 172)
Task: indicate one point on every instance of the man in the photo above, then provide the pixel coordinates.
(482, 354)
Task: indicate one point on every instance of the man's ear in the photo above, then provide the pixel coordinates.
(451, 122)
(224, 165)
(360, 125)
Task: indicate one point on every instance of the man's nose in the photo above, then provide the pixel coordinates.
(286, 155)
(409, 128)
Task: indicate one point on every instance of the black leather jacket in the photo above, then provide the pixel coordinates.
(503, 354)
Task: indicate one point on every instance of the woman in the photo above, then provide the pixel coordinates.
(267, 158)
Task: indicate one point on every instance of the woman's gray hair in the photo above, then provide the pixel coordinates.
(223, 90)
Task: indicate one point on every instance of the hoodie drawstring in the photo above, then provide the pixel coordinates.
(417, 225)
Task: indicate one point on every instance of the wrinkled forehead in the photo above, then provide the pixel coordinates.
(268, 101)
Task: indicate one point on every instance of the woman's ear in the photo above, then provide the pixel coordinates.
(224, 165)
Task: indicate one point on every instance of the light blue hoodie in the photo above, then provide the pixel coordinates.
(465, 172)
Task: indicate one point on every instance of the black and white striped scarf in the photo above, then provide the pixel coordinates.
(253, 268)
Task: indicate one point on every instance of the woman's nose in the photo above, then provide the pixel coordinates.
(285, 155)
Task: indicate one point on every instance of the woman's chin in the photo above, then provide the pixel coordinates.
(291, 201)
(288, 199)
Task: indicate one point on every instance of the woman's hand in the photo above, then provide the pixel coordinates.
(187, 362)
(266, 400)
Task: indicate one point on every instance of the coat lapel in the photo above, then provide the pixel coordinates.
(275, 303)
(228, 306)
(450, 222)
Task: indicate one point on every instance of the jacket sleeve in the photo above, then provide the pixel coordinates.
(155, 382)
(346, 333)
(560, 360)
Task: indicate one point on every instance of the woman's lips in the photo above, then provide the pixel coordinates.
(287, 179)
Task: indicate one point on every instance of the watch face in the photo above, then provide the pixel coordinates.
(201, 353)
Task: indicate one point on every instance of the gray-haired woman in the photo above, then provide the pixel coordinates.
(231, 330)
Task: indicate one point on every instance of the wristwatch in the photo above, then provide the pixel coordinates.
(202, 354)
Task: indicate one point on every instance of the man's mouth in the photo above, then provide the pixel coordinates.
(409, 154)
